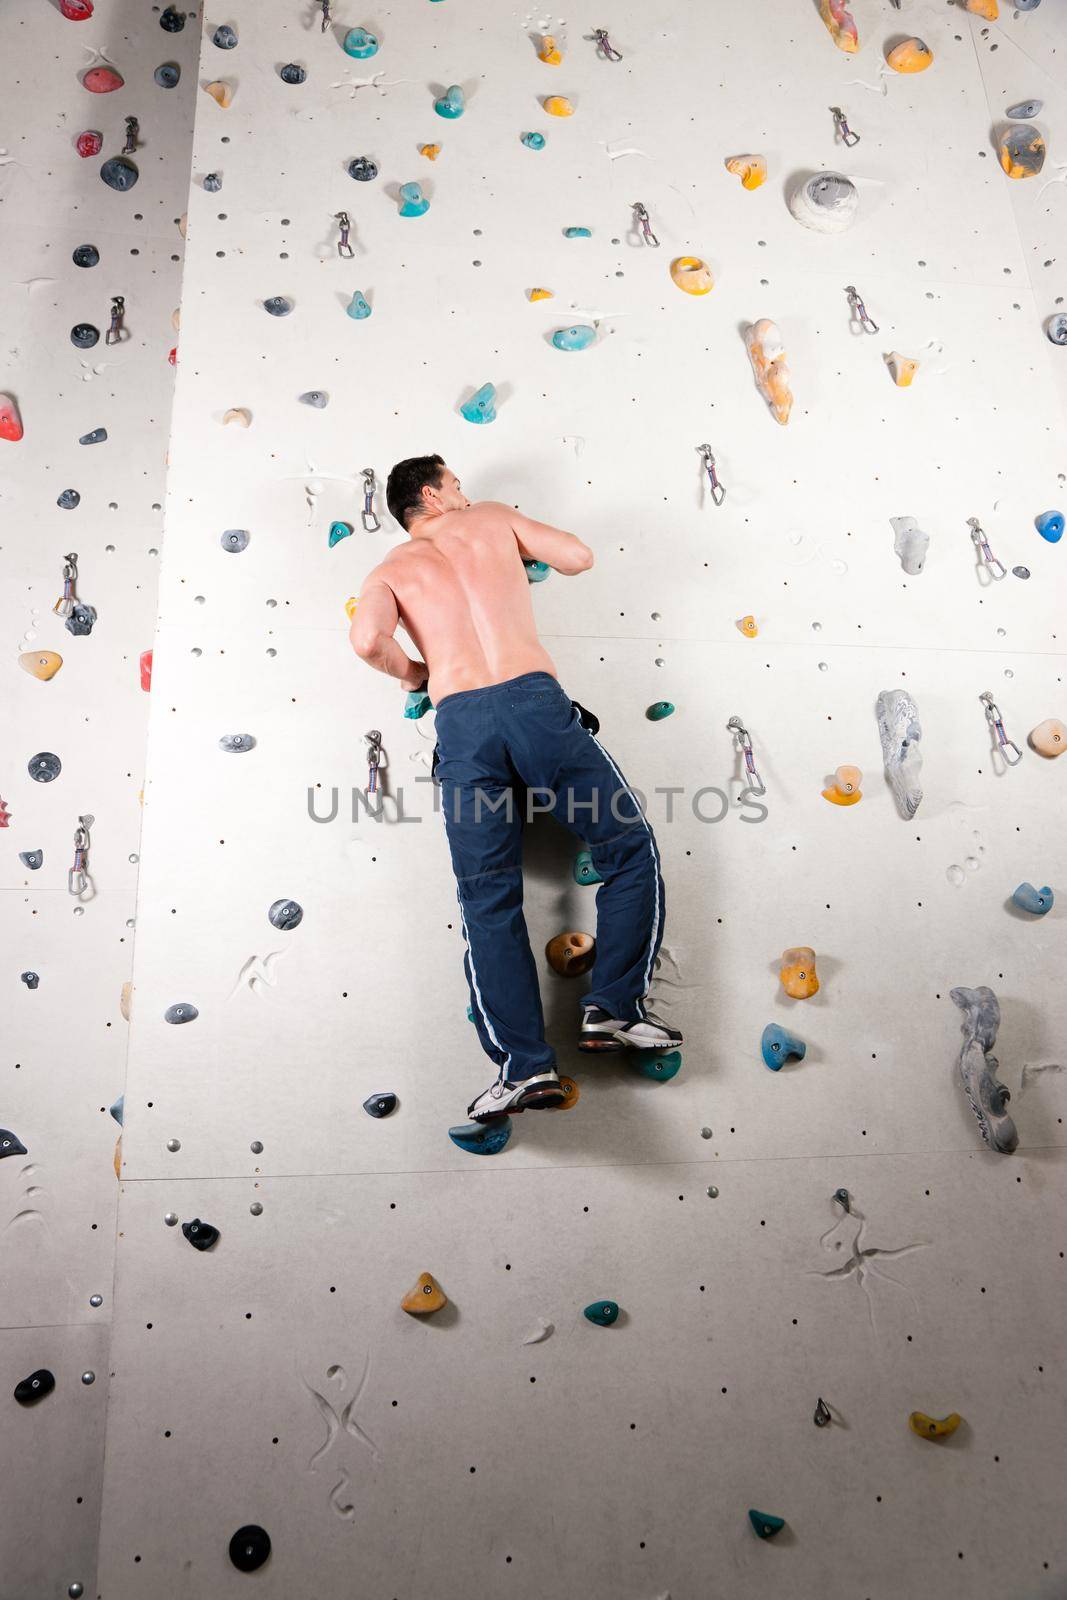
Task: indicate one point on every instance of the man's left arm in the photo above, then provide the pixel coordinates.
(374, 623)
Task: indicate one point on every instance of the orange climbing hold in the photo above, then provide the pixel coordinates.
(540, 294)
(571, 954)
(767, 355)
(10, 419)
(549, 51)
(845, 789)
(748, 627)
(752, 170)
(557, 105)
(40, 664)
(1049, 738)
(691, 275)
(911, 55)
(841, 23)
(902, 369)
(430, 151)
(220, 92)
(798, 974)
(426, 1296)
(983, 8)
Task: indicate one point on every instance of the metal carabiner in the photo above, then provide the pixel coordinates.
(115, 328)
(981, 544)
(842, 128)
(325, 4)
(370, 520)
(343, 246)
(996, 722)
(641, 222)
(604, 47)
(716, 488)
(374, 759)
(859, 310)
(78, 876)
(133, 128)
(744, 743)
(65, 604)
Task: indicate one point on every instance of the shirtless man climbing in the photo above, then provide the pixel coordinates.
(505, 727)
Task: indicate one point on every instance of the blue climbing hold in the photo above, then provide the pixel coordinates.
(181, 1011)
(94, 436)
(118, 173)
(779, 1046)
(451, 103)
(533, 141)
(292, 72)
(584, 870)
(357, 308)
(1036, 901)
(412, 200)
(579, 337)
(381, 1105)
(577, 233)
(1049, 525)
(482, 1138)
(363, 169)
(278, 305)
(602, 1312)
(765, 1525)
(359, 43)
(417, 704)
(662, 1068)
(168, 74)
(339, 531)
(224, 38)
(481, 407)
(536, 571)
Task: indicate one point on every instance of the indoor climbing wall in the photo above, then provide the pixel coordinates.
(85, 396)
(803, 1254)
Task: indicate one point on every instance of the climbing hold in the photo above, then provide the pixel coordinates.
(910, 544)
(902, 369)
(318, 398)
(220, 92)
(118, 1109)
(1049, 738)
(102, 80)
(167, 75)
(767, 355)
(430, 151)
(146, 675)
(285, 914)
(10, 419)
(842, 1198)
(571, 954)
(827, 202)
(35, 1387)
(118, 173)
(798, 975)
(841, 24)
(358, 308)
(1036, 901)
(416, 704)
(748, 626)
(234, 540)
(84, 335)
(691, 275)
(359, 43)
(934, 1427)
(237, 744)
(1056, 327)
(292, 72)
(224, 38)
(580, 337)
(577, 233)
(557, 105)
(89, 143)
(658, 710)
(426, 1296)
(823, 1414)
(33, 859)
(172, 21)
(983, 8)
(536, 571)
(85, 255)
(584, 870)
(571, 1095)
(481, 407)
(778, 1045)
(212, 182)
(381, 1105)
(1022, 150)
(41, 664)
(9, 1144)
(482, 1138)
(845, 789)
(412, 201)
(1050, 526)
(181, 1011)
(765, 1525)
(549, 51)
(278, 305)
(1024, 110)
(68, 500)
(752, 170)
(602, 1312)
(978, 1067)
(661, 1068)
(201, 1235)
(1020, 572)
(533, 141)
(339, 531)
(363, 169)
(239, 414)
(94, 436)
(451, 104)
(900, 731)
(249, 1548)
(76, 10)
(911, 55)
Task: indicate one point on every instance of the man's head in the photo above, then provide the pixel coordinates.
(423, 487)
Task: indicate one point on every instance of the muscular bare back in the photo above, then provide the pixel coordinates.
(460, 590)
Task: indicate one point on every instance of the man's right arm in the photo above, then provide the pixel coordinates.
(537, 541)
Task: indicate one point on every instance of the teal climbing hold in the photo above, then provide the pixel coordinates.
(339, 531)
(357, 308)
(580, 337)
(779, 1046)
(470, 1013)
(482, 1138)
(1036, 901)
(536, 571)
(417, 704)
(658, 710)
(577, 233)
(602, 1312)
(533, 141)
(451, 103)
(765, 1525)
(481, 407)
(662, 1068)
(413, 202)
(1049, 525)
(584, 870)
(359, 43)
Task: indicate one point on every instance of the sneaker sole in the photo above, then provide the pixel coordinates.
(599, 1041)
(648, 1044)
(537, 1100)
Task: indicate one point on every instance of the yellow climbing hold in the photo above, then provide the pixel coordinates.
(845, 789)
(220, 92)
(798, 974)
(549, 51)
(692, 275)
(752, 170)
(557, 105)
(748, 627)
(911, 55)
(40, 664)
(902, 369)
(426, 1296)
(934, 1427)
(238, 414)
(540, 294)
(430, 151)
(350, 607)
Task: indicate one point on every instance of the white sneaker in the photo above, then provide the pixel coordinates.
(650, 1033)
(504, 1099)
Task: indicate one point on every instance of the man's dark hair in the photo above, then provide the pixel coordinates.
(403, 492)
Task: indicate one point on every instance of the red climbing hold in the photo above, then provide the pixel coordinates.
(102, 80)
(76, 10)
(146, 671)
(10, 421)
(173, 357)
(89, 143)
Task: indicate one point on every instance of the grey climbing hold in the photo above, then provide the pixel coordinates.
(10, 1145)
(118, 173)
(201, 1235)
(363, 169)
(826, 202)
(96, 436)
(1024, 110)
(315, 397)
(602, 1312)
(81, 619)
(44, 766)
(380, 1105)
(278, 305)
(212, 182)
(118, 1110)
(35, 1387)
(168, 74)
(30, 979)
(978, 1067)
(285, 914)
(900, 731)
(843, 1200)
(249, 1547)
(482, 1138)
(86, 255)
(910, 544)
(32, 859)
(1027, 5)
(1056, 328)
(235, 540)
(69, 500)
(84, 335)
(172, 21)
(181, 1011)
(224, 38)
(1020, 572)
(292, 72)
(822, 1414)
(237, 743)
